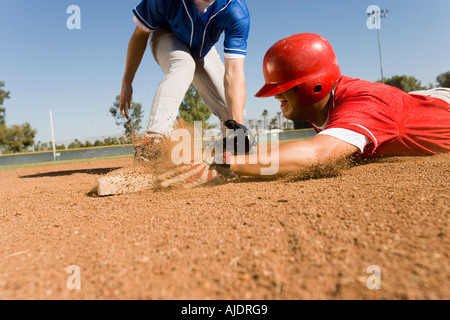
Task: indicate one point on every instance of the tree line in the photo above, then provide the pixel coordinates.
(18, 138)
(409, 83)
(77, 144)
(15, 138)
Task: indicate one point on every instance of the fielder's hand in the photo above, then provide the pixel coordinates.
(239, 139)
(197, 173)
(125, 99)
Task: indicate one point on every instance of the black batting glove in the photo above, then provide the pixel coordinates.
(239, 140)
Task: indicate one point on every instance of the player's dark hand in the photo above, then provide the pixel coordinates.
(125, 99)
(239, 138)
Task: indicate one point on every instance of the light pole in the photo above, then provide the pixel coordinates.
(374, 22)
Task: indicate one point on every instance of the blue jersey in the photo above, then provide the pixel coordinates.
(199, 32)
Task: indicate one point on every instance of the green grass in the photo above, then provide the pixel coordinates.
(53, 163)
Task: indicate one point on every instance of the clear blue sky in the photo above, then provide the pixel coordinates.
(78, 73)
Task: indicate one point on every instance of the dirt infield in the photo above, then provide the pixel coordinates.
(253, 239)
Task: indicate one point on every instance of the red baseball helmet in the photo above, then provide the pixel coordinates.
(306, 60)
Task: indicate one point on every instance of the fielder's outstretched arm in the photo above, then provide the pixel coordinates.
(136, 50)
(296, 156)
(234, 82)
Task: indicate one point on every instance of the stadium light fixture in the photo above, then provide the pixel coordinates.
(374, 22)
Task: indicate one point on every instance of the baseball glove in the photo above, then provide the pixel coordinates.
(239, 139)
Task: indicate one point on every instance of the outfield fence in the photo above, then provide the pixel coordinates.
(111, 151)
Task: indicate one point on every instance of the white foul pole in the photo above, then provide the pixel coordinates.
(53, 137)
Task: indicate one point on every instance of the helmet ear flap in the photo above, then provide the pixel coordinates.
(311, 92)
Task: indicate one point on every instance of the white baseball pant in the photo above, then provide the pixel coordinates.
(440, 93)
(182, 69)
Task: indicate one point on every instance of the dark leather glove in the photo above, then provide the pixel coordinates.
(239, 139)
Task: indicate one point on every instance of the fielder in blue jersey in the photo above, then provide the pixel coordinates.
(182, 36)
